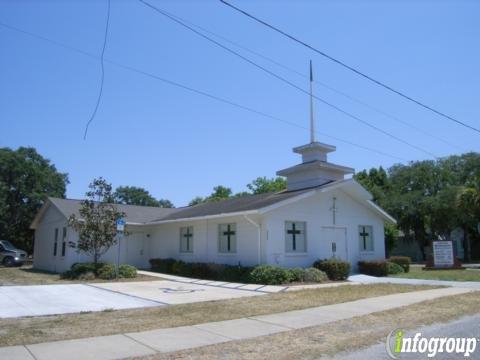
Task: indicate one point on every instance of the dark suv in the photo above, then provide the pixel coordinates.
(10, 255)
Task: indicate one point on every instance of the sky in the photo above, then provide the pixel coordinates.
(178, 144)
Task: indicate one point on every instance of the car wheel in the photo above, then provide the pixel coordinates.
(8, 261)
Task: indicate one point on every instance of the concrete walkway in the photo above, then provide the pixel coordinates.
(366, 279)
(269, 289)
(186, 337)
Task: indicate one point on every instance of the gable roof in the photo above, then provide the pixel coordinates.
(133, 214)
(261, 203)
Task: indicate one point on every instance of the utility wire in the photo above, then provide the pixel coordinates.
(356, 71)
(329, 87)
(102, 79)
(193, 90)
(288, 81)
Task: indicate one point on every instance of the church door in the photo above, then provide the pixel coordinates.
(334, 242)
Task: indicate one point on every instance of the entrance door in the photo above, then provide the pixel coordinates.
(334, 242)
(136, 250)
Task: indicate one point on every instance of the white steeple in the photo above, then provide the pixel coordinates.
(314, 170)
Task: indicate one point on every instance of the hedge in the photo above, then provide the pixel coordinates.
(403, 261)
(92, 271)
(262, 274)
(379, 268)
(334, 268)
(209, 271)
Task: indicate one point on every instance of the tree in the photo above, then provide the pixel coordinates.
(96, 226)
(220, 193)
(132, 195)
(26, 180)
(263, 185)
(164, 203)
(197, 200)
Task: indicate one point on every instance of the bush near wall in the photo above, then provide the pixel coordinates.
(335, 269)
(403, 261)
(262, 274)
(91, 271)
(209, 271)
(379, 268)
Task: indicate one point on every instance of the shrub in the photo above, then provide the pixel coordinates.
(296, 274)
(374, 268)
(269, 275)
(82, 268)
(127, 271)
(403, 261)
(87, 276)
(314, 275)
(107, 272)
(393, 268)
(335, 269)
(162, 265)
(235, 274)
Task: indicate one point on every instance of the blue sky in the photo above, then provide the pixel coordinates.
(177, 144)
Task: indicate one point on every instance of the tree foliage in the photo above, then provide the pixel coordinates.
(26, 180)
(96, 225)
(429, 198)
(263, 185)
(132, 195)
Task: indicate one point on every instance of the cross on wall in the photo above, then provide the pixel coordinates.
(364, 234)
(228, 233)
(188, 235)
(294, 232)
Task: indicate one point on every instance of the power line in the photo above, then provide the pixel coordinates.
(287, 81)
(99, 97)
(193, 90)
(356, 71)
(329, 87)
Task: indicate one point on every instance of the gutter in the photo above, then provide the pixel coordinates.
(259, 232)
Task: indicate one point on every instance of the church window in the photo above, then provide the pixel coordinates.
(365, 237)
(227, 238)
(295, 236)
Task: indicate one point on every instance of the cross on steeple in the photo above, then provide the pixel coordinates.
(228, 233)
(294, 232)
(187, 236)
(364, 234)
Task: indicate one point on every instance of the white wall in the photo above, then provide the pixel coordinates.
(315, 211)
(165, 242)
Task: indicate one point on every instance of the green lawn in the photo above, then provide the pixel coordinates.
(416, 272)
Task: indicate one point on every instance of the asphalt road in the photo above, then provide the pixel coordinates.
(468, 327)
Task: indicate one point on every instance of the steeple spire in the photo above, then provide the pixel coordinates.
(313, 137)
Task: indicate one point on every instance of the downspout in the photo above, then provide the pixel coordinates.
(259, 232)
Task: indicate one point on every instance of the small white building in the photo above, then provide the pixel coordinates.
(321, 215)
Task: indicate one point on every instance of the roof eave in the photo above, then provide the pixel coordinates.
(205, 217)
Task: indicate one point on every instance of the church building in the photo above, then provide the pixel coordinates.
(322, 214)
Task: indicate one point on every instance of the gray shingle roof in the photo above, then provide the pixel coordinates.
(146, 214)
(133, 213)
(234, 205)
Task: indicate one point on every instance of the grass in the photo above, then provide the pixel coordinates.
(31, 330)
(416, 272)
(25, 275)
(330, 339)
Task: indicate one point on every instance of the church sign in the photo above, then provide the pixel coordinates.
(443, 254)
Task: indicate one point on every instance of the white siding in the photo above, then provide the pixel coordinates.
(315, 211)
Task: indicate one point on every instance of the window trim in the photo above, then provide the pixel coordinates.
(360, 244)
(64, 241)
(55, 243)
(296, 252)
(231, 252)
(189, 240)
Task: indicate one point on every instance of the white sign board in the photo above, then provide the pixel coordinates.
(120, 225)
(443, 254)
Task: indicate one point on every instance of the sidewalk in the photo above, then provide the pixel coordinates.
(186, 337)
(366, 279)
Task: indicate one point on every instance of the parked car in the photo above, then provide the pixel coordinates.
(10, 255)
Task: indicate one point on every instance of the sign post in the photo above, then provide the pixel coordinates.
(120, 230)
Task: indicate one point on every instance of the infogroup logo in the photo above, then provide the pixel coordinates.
(397, 343)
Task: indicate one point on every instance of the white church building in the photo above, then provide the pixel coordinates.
(321, 214)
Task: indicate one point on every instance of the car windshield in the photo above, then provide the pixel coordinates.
(7, 245)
